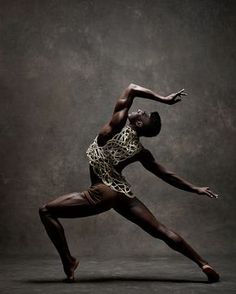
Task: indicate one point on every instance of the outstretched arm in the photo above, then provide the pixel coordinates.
(173, 98)
(124, 102)
(149, 162)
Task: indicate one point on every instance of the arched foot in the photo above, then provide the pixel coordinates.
(212, 275)
(70, 269)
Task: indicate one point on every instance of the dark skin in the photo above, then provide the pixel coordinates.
(77, 205)
(137, 121)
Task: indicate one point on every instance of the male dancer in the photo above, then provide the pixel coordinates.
(116, 146)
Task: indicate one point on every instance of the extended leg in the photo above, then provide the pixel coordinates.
(137, 212)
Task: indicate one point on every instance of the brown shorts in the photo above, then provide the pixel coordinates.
(100, 193)
(98, 198)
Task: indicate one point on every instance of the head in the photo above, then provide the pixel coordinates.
(146, 124)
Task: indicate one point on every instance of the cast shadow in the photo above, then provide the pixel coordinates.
(118, 279)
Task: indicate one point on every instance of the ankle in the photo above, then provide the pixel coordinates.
(204, 264)
(68, 260)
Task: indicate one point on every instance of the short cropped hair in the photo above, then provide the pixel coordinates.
(154, 127)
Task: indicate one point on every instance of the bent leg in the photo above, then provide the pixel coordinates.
(67, 206)
(135, 211)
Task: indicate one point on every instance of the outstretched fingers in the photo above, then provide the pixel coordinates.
(178, 95)
(211, 194)
(206, 191)
(181, 92)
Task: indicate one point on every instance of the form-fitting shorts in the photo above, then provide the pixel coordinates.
(96, 199)
(101, 194)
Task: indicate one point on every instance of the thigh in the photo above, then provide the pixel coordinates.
(97, 199)
(73, 205)
(134, 210)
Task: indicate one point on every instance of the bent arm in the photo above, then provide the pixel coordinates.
(123, 104)
(125, 101)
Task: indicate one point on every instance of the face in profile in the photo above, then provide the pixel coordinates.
(147, 124)
(139, 118)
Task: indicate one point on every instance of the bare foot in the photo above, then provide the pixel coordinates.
(69, 270)
(212, 275)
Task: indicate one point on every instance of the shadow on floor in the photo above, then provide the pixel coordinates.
(115, 279)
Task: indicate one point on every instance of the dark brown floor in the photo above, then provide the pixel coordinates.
(165, 274)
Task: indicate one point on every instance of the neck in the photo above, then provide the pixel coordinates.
(135, 129)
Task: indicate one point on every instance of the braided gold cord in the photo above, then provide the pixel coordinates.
(103, 159)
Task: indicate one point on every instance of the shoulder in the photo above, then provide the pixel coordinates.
(145, 156)
(106, 133)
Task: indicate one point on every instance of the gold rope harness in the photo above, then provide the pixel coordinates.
(103, 159)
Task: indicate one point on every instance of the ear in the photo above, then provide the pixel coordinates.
(139, 123)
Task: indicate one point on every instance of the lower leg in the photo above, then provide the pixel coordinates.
(56, 233)
(177, 243)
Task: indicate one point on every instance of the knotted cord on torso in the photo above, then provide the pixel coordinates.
(104, 159)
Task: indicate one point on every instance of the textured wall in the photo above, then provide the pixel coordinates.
(62, 66)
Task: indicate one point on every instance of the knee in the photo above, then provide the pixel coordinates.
(159, 232)
(167, 235)
(174, 237)
(173, 240)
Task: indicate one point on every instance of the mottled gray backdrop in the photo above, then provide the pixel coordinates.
(62, 66)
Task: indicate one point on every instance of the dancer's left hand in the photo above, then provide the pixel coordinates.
(206, 191)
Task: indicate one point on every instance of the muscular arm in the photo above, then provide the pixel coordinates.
(125, 101)
(149, 162)
(123, 104)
